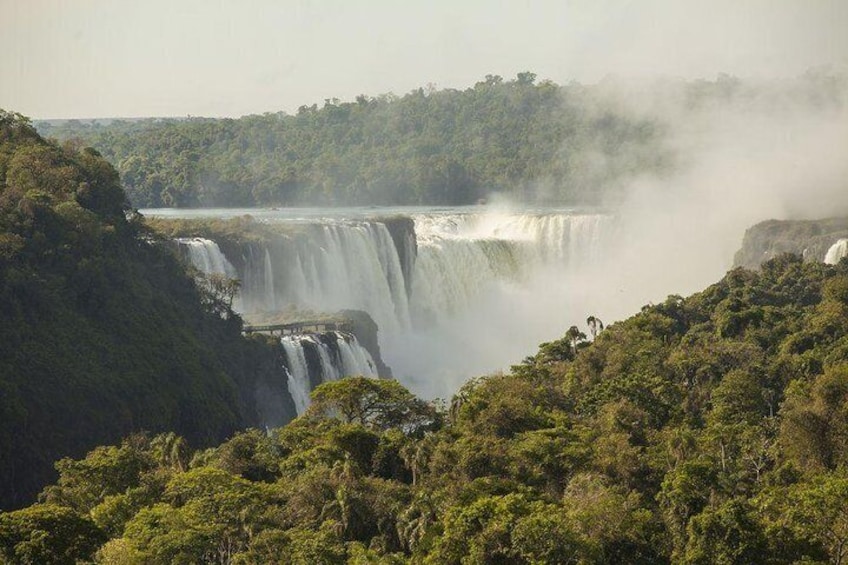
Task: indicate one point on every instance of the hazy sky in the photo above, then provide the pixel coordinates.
(100, 58)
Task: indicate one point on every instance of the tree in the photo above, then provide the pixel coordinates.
(814, 430)
(104, 471)
(685, 492)
(374, 403)
(726, 535)
(814, 511)
(575, 337)
(219, 292)
(47, 534)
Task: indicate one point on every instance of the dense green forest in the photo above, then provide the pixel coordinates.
(528, 139)
(703, 430)
(533, 141)
(101, 330)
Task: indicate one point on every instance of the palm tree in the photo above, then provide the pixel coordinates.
(575, 336)
(596, 326)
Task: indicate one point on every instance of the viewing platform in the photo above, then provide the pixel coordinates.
(301, 327)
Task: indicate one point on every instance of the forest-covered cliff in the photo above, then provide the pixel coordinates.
(102, 331)
(529, 139)
(708, 429)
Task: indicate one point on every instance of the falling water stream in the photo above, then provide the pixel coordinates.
(451, 296)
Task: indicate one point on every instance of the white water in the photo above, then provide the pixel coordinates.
(206, 256)
(463, 256)
(297, 372)
(836, 252)
(342, 357)
(485, 289)
(326, 268)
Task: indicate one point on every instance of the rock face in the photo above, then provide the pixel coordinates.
(322, 350)
(810, 239)
(271, 400)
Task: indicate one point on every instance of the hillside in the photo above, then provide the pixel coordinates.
(527, 139)
(102, 332)
(707, 429)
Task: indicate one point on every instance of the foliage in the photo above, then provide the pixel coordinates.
(707, 429)
(102, 332)
(532, 140)
(374, 403)
(47, 534)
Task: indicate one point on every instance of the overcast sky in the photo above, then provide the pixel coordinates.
(102, 58)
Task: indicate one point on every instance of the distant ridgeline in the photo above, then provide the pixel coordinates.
(101, 331)
(533, 141)
(814, 240)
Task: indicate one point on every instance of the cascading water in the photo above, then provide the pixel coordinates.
(312, 359)
(568, 238)
(836, 252)
(206, 257)
(461, 256)
(352, 264)
(488, 288)
(455, 293)
(328, 267)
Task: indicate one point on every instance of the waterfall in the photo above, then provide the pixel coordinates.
(312, 359)
(454, 292)
(328, 267)
(404, 271)
(836, 252)
(460, 256)
(206, 257)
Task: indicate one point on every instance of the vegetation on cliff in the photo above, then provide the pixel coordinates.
(102, 332)
(708, 429)
(531, 140)
(521, 137)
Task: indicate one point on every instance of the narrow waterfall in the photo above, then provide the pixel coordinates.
(312, 359)
(205, 256)
(836, 252)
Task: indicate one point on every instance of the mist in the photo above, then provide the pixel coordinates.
(759, 150)
(769, 151)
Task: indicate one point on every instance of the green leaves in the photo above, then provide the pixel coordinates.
(426, 147)
(374, 403)
(47, 534)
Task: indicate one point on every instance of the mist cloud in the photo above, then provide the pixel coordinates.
(749, 151)
(767, 150)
